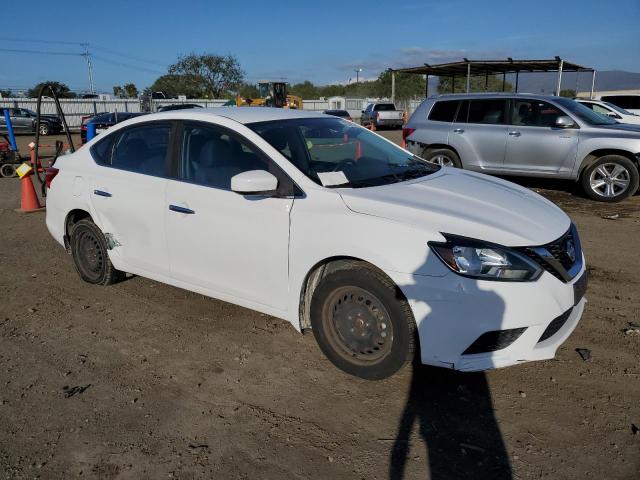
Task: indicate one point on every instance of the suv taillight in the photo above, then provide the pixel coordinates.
(406, 132)
(49, 175)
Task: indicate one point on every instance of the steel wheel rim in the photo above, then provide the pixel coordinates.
(44, 130)
(358, 325)
(91, 255)
(610, 180)
(442, 160)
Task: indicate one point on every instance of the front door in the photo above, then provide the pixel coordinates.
(234, 245)
(534, 144)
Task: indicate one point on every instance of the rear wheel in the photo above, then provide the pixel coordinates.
(44, 129)
(89, 251)
(442, 156)
(611, 178)
(7, 170)
(362, 323)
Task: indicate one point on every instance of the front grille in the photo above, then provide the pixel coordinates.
(555, 325)
(554, 257)
(495, 340)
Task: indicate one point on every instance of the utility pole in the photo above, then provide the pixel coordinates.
(87, 56)
(357, 70)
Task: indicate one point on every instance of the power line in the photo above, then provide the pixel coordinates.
(127, 65)
(39, 52)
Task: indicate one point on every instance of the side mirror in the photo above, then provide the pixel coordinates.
(254, 182)
(564, 121)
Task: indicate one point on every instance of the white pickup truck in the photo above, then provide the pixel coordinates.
(382, 115)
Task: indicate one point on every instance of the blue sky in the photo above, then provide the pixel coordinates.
(322, 41)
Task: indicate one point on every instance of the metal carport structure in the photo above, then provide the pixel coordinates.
(474, 68)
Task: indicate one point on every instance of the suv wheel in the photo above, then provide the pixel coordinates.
(443, 157)
(361, 322)
(611, 178)
(44, 129)
(89, 251)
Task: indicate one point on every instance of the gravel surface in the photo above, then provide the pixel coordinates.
(142, 380)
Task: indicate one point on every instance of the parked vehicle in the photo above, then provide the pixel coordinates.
(332, 227)
(24, 121)
(178, 106)
(382, 115)
(104, 121)
(528, 135)
(339, 113)
(631, 103)
(610, 110)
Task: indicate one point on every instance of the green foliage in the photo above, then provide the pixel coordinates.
(131, 90)
(211, 76)
(5, 93)
(246, 90)
(174, 85)
(118, 91)
(477, 84)
(567, 92)
(62, 90)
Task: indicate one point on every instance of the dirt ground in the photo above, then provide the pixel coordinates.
(141, 380)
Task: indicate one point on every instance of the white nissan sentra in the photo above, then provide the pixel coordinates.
(323, 223)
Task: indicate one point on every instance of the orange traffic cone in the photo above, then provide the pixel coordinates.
(29, 202)
(403, 144)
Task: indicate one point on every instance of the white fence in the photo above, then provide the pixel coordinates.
(75, 109)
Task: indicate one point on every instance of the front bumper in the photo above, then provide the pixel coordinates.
(452, 312)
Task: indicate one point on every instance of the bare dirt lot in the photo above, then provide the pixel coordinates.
(142, 380)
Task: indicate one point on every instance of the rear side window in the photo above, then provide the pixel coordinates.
(444, 111)
(139, 149)
(489, 111)
(624, 101)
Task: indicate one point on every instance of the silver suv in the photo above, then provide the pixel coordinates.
(528, 135)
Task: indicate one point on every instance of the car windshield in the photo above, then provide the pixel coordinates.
(584, 113)
(336, 153)
(617, 108)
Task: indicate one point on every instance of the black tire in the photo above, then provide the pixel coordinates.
(617, 176)
(362, 322)
(442, 156)
(7, 170)
(44, 129)
(90, 257)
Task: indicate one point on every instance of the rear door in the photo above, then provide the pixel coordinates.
(21, 121)
(479, 133)
(128, 193)
(534, 144)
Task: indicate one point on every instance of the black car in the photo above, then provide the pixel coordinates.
(339, 113)
(179, 106)
(103, 121)
(23, 120)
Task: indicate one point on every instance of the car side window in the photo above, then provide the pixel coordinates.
(487, 111)
(444, 111)
(534, 113)
(140, 149)
(601, 109)
(211, 156)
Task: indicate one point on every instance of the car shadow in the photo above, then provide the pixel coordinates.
(452, 411)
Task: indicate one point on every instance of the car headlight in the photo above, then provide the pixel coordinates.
(484, 260)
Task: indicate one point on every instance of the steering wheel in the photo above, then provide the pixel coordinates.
(343, 163)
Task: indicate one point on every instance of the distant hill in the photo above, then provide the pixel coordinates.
(546, 82)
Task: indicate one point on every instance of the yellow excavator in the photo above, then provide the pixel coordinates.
(271, 94)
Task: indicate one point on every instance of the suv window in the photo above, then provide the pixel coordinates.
(487, 111)
(140, 149)
(624, 101)
(534, 113)
(211, 156)
(444, 111)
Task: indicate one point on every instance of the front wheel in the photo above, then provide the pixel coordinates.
(362, 323)
(89, 251)
(611, 178)
(44, 129)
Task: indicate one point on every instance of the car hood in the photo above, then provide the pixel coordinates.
(464, 203)
(51, 118)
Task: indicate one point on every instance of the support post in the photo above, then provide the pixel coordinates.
(453, 84)
(486, 81)
(426, 86)
(393, 87)
(560, 65)
(468, 76)
(593, 83)
(504, 80)
(9, 125)
(517, 78)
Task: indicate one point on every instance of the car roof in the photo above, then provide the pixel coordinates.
(456, 96)
(242, 115)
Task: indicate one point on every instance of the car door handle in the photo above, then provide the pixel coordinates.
(515, 134)
(458, 130)
(179, 209)
(102, 193)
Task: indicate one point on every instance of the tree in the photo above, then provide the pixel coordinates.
(247, 90)
(130, 90)
(62, 90)
(568, 92)
(214, 76)
(118, 92)
(174, 85)
(476, 84)
(407, 85)
(5, 93)
(306, 90)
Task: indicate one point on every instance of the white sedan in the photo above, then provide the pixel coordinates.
(610, 110)
(318, 221)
